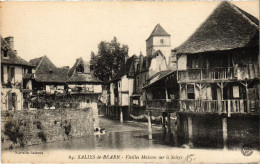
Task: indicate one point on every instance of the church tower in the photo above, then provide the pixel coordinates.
(159, 40)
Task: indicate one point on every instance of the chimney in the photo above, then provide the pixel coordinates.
(10, 41)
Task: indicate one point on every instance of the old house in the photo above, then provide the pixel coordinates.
(49, 80)
(16, 77)
(158, 49)
(162, 94)
(218, 76)
(84, 88)
(120, 88)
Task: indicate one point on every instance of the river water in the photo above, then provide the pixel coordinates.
(118, 135)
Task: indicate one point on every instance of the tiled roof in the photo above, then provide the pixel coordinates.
(158, 31)
(86, 77)
(46, 71)
(161, 75)
(13, 58)
(228, 27)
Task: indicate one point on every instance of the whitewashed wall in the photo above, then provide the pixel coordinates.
(182, 62)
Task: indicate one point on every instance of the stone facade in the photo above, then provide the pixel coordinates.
(32, 127)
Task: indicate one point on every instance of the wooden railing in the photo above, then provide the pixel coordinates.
(206, 74)
(220, 106)
(163, 104)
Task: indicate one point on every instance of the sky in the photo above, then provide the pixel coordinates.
(65, 31)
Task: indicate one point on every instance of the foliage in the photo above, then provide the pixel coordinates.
(58, 100)
(13, 131)
(42, 136)
(110, 58)
(39, 125)
(67, 128)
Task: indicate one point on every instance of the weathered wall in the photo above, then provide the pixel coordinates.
(182, 62)
(6, 98)
(24, 128)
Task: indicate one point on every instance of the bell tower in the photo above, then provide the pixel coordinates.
(159, 40)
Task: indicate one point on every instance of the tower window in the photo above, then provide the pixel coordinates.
(161, 41)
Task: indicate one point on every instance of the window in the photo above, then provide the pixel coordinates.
(161, 41)
(190, 92)
(12, 73)
(236, 91)
(91, 67)
(51, 72)
(5, 53)
(80, 69)
(138, 67)
(87, 100)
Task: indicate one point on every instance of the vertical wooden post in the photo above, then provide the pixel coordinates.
(224, 130)
(121, 115)
(180, 97)
(169, 123)
(248, 102)
(163, 122)
(166, 94)
(175, 136)
(150, 133)
(190, 129)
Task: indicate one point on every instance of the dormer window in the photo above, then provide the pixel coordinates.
(5, 53)
(80, 69)
(51, 71)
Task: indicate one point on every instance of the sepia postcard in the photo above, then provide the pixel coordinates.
(130, 82)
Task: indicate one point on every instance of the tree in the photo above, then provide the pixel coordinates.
(110, 58)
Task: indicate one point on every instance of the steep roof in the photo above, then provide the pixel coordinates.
(161, 75)
(13, 58)
(158, 31)
(86, 77)
(46, 71)
(125, 69)
(228, 27)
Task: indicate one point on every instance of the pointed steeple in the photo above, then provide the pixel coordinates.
(158, 31)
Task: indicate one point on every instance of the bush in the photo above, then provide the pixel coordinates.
(13, 132)
(67, 129)
(39, 125)
(42, 136)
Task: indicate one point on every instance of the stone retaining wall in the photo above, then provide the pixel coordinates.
(31, 127)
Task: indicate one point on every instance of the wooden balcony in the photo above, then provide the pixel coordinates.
(234, 106)
(163, 105)
(211, 74)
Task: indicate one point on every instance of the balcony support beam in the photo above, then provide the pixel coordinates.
(169, 122)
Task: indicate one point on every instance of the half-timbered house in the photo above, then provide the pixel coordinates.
(218, 76)
(120, 88)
